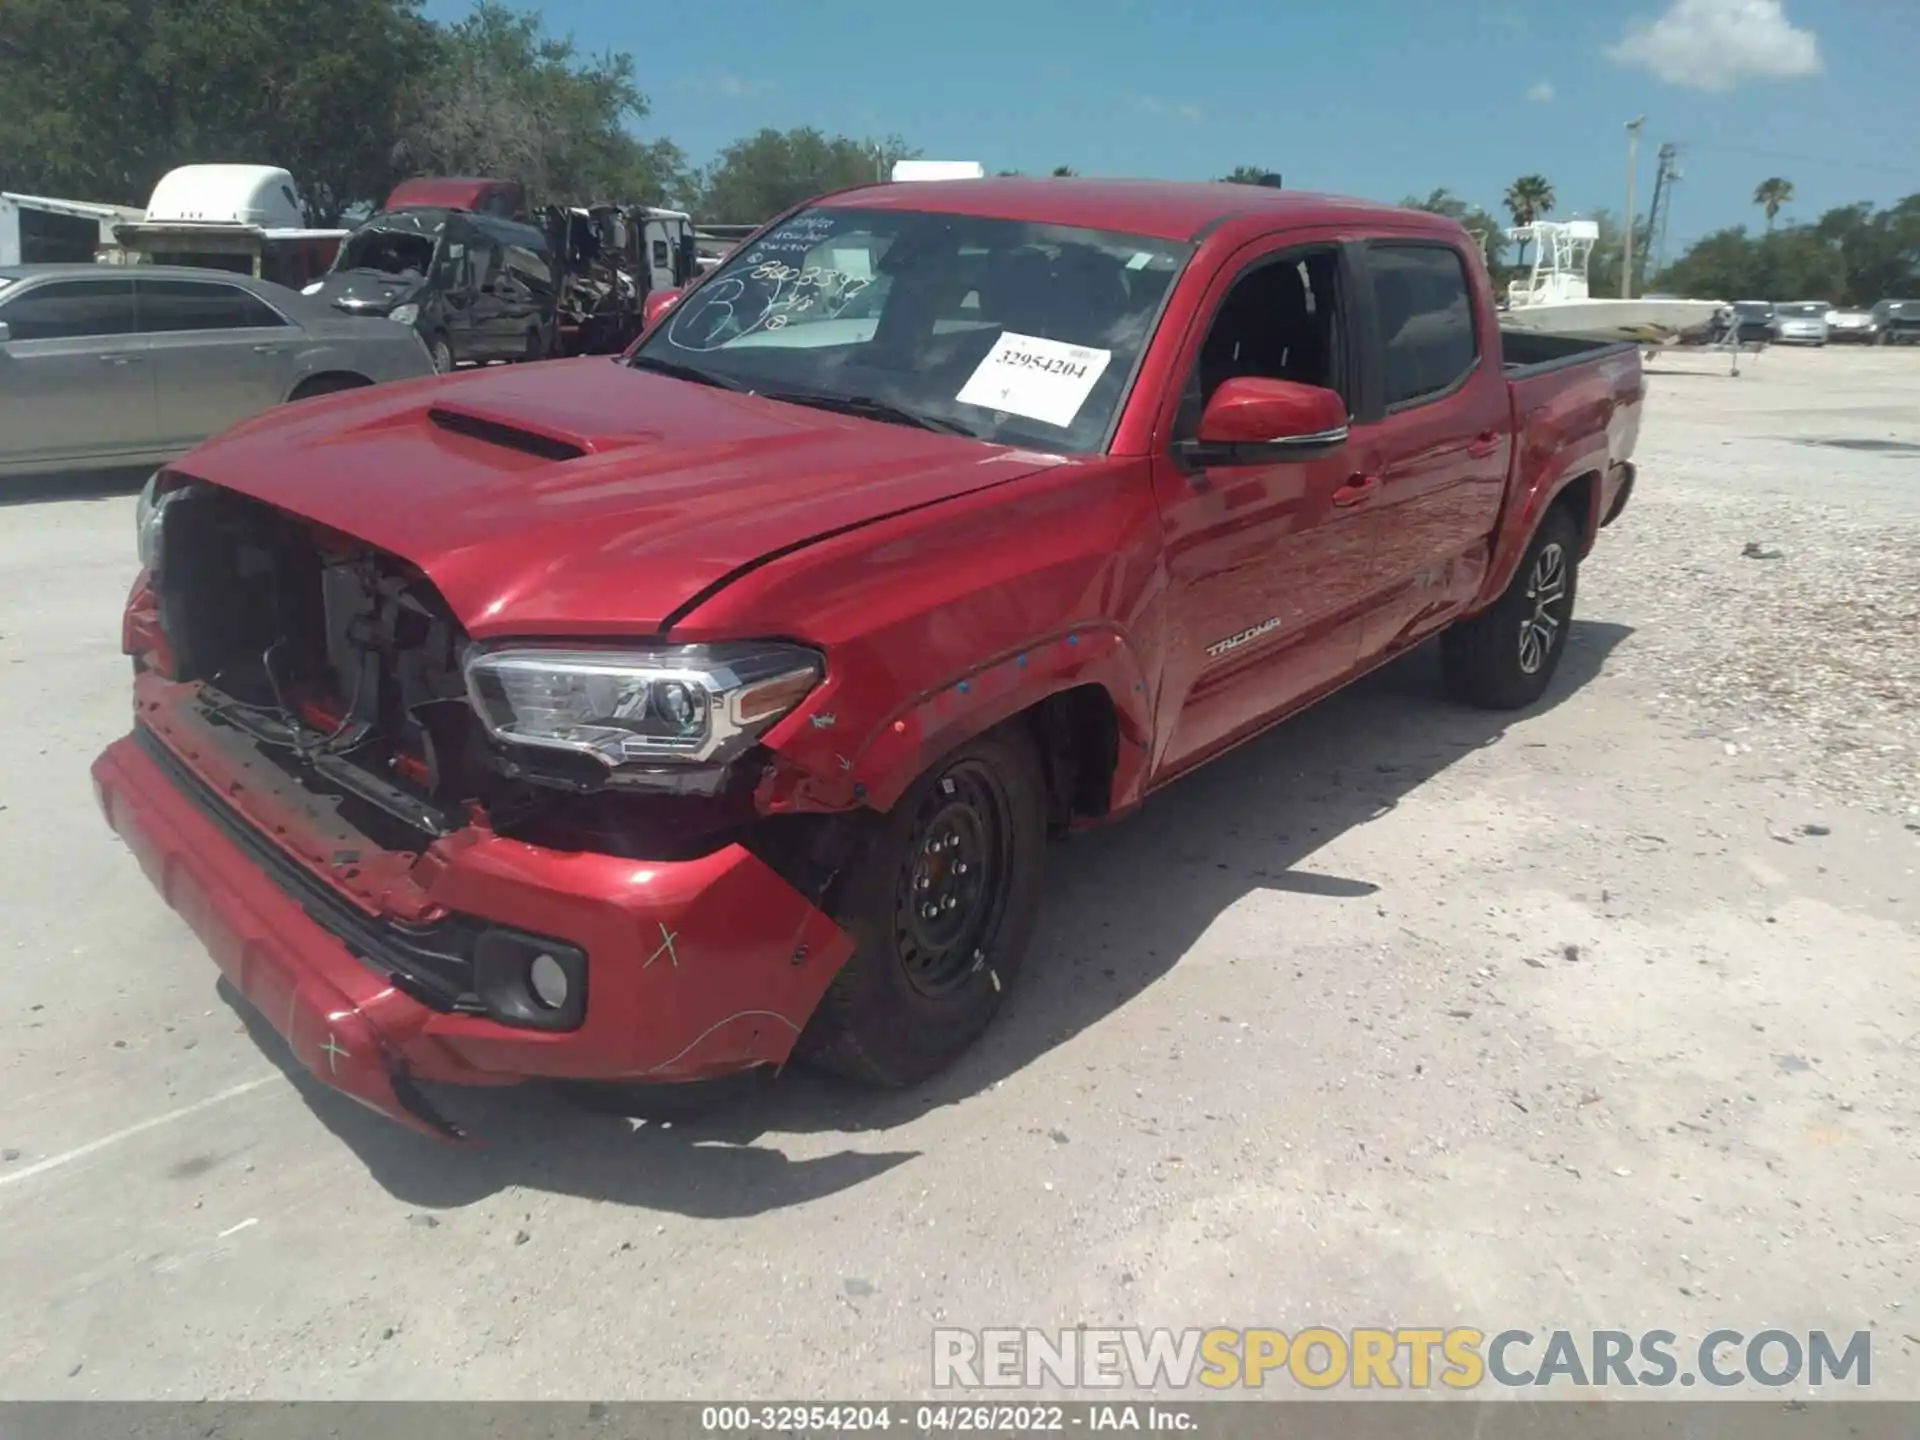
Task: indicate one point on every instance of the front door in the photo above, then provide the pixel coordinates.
(219, 352)
(1441, 446)
(74, 379)
(1267, 563)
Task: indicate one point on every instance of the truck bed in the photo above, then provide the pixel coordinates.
(1529, 352)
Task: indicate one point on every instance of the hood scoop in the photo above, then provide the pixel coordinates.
(511, 434)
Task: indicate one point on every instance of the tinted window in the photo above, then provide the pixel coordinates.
(170, 305)
(71, 309)
(1426, 319)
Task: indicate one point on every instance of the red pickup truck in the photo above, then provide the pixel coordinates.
(663, 716)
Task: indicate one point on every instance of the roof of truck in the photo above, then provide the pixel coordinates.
(1163, 209)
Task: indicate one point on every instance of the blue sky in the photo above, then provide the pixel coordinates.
(1380, 98)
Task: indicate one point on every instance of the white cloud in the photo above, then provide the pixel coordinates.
(1715, 44)
(1166, 109)
(1541, 93)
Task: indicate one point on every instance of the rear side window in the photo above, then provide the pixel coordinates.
(168, 306)
(71, 310)
(1425, 303)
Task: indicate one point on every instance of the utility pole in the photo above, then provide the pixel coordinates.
(1626, 259)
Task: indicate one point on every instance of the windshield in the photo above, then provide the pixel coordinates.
(1806, 310)
(388, 251)
(1013, 331)
(1753, 309)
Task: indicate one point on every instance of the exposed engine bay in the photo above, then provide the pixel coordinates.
(346, 669)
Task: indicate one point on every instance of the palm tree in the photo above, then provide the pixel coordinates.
(1064, 170)
(1527, 199)
(1771, 194)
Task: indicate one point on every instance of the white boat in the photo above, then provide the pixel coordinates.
(1554, 300)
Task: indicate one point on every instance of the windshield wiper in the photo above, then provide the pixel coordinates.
(684, 372)
(873, 409)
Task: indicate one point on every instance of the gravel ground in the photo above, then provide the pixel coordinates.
(1775, 567)
(1603, 1015)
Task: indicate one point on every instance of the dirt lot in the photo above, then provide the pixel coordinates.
(1608, 1015)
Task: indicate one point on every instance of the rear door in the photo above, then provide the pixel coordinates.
(220, 353)
(1267, 562)
(74, 379)
(1440, 443)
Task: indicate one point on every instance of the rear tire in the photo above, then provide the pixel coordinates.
(1505, 657)
(941, 902)
(442, 354)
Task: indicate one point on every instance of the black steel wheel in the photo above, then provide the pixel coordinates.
(940, 898)
(952, 892)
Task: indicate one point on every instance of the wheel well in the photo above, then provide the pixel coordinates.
(327, 382)
(1078, 732)
(1578, 500)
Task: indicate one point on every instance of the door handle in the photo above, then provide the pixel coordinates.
(1356, 489)
(1484, 444)
(118, 359)
(266, 349)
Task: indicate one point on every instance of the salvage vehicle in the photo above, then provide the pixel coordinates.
(502, 199)
(611, 258)
(242, 218)
(104, 366)
(668, 716)
(475, 287)
(1803, 322)
(1897, 322)
(1755, 322)
(1851, 324)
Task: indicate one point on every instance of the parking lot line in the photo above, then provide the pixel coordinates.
(80, 1152)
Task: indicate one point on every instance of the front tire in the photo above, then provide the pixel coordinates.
(941, 903)
(1505, 657)
(442, 353)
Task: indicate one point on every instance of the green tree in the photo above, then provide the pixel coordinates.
(1062, 171)
(757, 177)
(1527, 200)
(1854, 255)
(1771, 194)
(99, 100)
(503, 98)
(1247, 175)
(1484, 228)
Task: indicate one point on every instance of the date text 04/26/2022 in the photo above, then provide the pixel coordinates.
(945, 1418)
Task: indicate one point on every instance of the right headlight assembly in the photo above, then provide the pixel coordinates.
(680, 703)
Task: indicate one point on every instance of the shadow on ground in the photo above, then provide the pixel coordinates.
(84, 485)
(1124, 904)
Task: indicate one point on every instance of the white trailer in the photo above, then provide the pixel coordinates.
(40, 230)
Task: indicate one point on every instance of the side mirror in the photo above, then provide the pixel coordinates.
(6, 333)
(1253, 420)
(657, 304)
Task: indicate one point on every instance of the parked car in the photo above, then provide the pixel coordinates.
(1803, 322)
(107, 366)
(668, 717)
(1898, 321)
(474, 286)
(1852, 326)
(1755, 319)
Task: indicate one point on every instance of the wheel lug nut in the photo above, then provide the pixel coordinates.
(951, 902)
(923, 883)
(961, 868)
(931, 912)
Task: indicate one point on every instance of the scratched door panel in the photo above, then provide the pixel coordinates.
(1269, 579)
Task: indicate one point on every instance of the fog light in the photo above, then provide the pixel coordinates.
(532, 981)
(548, 981)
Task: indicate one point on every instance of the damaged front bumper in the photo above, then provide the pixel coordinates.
(692, 968)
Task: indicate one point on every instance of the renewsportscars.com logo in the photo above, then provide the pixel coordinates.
(1402, 1358)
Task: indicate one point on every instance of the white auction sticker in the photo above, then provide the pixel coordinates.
(1041, 379)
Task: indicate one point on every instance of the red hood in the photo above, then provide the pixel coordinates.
(678, 485)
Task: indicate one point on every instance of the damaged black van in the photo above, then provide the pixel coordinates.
(475, 286)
